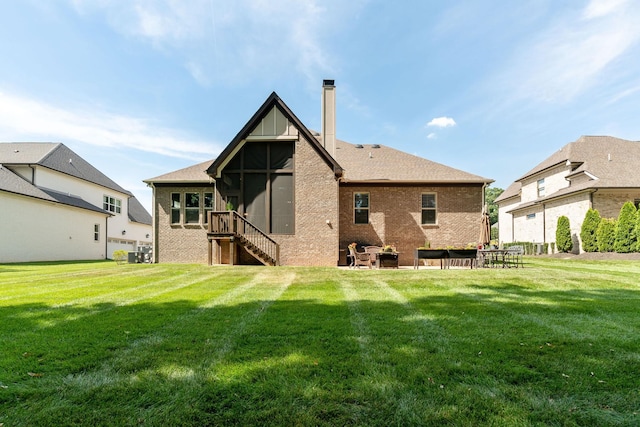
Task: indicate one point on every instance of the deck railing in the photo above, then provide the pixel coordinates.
(231, 223)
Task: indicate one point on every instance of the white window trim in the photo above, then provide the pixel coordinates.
(435, 209)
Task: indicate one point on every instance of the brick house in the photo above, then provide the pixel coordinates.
(310, 195)
(599, 172)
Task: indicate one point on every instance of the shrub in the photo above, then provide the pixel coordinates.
(563, 235)
(120, 256)
(588, 231)
(606, 234)
(637, 230)
(625, 239)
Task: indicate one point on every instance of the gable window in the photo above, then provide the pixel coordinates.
(175, 208)
(96, 232)
(361, 208)
(111, 204)
(429, 209)
(208, 206)
(192, 208)
(531, 216)
(541, 191)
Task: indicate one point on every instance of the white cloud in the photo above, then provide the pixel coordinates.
(571, 55)
(598, 8)
(30, 119)
(432, 135)
(218, 39)
(442, 122)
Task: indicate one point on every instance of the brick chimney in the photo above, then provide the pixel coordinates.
(328, 130)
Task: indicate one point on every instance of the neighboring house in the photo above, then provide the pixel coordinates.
(309, 195)
(599, 172)
(56, 206)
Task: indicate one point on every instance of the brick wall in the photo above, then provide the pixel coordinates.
(177, 242)
(315, 242)
(396, 214)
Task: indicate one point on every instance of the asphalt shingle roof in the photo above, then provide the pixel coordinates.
(59, 157)
(612, 161)
(366, 163)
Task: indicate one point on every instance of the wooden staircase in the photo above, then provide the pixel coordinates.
(231, 226)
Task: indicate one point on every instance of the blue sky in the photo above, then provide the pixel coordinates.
(140, 88)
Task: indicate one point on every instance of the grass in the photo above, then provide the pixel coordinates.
(556, 343)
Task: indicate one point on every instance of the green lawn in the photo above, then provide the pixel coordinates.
(94, 343)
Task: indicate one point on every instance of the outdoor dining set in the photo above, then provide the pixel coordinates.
(379, 257)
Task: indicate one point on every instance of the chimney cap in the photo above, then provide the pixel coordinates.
(328, 83)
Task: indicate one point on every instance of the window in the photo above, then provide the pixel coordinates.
(531, 216)
(429, 209)
(111, 204)
(541, 191)
(96, 232)
(208, 206)
(175, 208)
(361, 208)
(192, 208)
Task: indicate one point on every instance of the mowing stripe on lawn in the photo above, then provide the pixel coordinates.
(115, 369)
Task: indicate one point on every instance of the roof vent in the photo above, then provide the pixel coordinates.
(359, 146)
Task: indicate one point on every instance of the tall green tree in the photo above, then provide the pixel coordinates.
(625, 229)
(606, 234)
(589, 229)
(637, 230)
(563, 235)
(490, 196)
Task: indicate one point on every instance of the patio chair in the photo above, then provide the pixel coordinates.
(359, 258)
(513, 256)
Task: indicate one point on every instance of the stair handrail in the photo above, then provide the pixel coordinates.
(232, 223)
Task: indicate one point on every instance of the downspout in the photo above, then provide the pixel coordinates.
(106, 237)
(544, 223)
(154, 229)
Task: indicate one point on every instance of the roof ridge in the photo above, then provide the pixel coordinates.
(56, 146)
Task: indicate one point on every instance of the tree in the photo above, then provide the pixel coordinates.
(563, 235)
(588, 231)
(606, 234)
(490, 196)
(637, 230)
(625, 240)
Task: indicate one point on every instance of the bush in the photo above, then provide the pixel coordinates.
(606, 234)
(637, 230)
(625, 239)
(120, 256)
(588, 231)
(563, 235)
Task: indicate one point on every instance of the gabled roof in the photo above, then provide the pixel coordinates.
(273, 101)
(607, 161)
(379, 163)
(55, 156)
(192, 174)
(12, 183)
(60, 158)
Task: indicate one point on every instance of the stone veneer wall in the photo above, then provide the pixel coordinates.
(609, 202)
(396, 213)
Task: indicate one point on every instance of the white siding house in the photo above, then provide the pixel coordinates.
(599, 172)
(56, 206)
